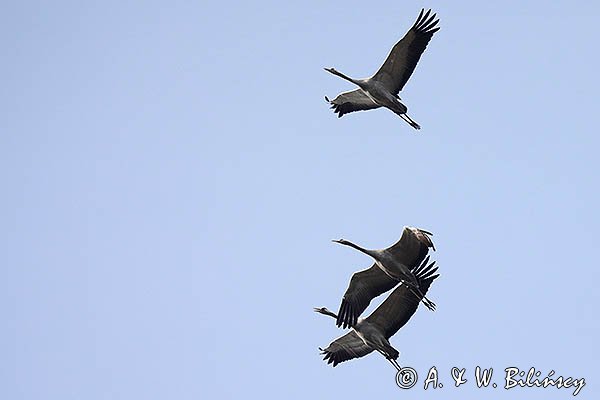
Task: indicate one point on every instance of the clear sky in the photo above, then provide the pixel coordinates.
(171, 179)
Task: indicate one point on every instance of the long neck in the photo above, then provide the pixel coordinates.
(338, 73)
(330, 313)
(362, 250)
(327, 312)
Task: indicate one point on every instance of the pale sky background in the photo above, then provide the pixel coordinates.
(172, 177)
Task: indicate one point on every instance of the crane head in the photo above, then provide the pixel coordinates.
(325, 311)
(340, 241)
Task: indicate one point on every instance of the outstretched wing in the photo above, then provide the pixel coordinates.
(401, 305)
(345, 348)
(402, 60)
(355, 100)
(412, 247)
(364, 286)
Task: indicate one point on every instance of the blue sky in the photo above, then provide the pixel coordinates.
(172, 178)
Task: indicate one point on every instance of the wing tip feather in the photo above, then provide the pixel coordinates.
(425, 23)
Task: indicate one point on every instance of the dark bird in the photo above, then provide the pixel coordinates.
(374, 332)
(394, 264)
(381, 89)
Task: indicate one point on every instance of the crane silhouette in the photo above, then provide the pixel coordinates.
(373, 333)
(381, 89)
(393, 264)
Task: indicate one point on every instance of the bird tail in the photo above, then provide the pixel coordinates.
(391, 353)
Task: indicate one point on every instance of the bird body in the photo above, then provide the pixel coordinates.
(380, 94)
(374, 337)
(394, 268)
(381, 89)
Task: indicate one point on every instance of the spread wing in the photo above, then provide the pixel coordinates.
(355, 100)
(345, 348)
(402, 60)
(364, 286)
(401, 305)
